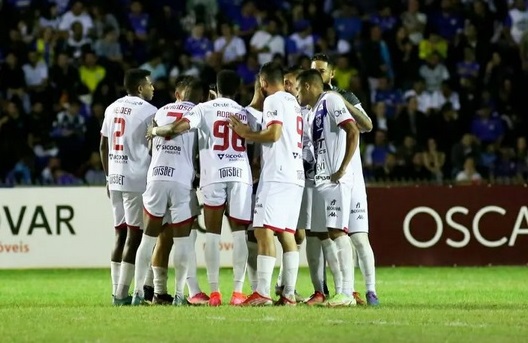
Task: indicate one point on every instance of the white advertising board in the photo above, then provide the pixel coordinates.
(71, 227)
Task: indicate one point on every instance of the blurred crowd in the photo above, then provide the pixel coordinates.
(443, 80)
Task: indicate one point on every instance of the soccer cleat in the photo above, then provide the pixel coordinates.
(359, 301)
(148, 292)
(316, 299)
(278, 290)
(237, 299)
(162, 299)
(256, 299)
(325, 289)
(286, 301)
(298, 298)
(372, 299)
(340, 300)
(122, 302)
(179, 300)
(198, 299)
(215, 299)
(137, 300)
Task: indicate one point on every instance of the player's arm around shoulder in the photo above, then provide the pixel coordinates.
(271, 124)
(353, 105)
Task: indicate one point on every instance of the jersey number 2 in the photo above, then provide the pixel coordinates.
(119, 131)
(221, 130)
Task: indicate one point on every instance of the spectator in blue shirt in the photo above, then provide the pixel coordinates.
(486, 128)
(347, 23)
(446, 22)
(139, 21)
(197, 45)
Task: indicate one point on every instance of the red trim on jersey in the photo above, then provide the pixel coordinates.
(345, 229)
(214, 207)
(121, 226)
(186, 119)
(134, 227)
(346, 121)
(273, 122)
(150, 214)
(186, 221)
(239, 221)
(290, 230)
(273, 228)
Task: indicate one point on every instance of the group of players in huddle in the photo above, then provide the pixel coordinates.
(287, 165)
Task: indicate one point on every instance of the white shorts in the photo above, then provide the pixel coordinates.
(358, 221)
(127, 209)
(178, 200)
(237, 196)
(305, 214)
(331, 206)
(277, 206)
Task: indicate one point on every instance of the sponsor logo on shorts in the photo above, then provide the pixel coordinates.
(332, 214)
(163, 171)
(230, 172)
(171, 149)
(296, 155)
(115, 158)
(360, 217)
(116, 179)
(231, 157)
(332, 206)
(322, 177)
(358, 209)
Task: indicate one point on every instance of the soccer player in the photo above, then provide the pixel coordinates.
(335, 137)
(225, 179)
(254, 117)
(325, 66)
(170, 185)
(160, 257)
(125, 158)
(281, 184)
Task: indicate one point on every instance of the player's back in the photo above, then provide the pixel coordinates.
(223, 154)
(125, 124)
(173, 158)
(282, 160)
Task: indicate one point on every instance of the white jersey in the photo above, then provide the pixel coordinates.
(308, 154)
(329, 140)
(125, 124)
(223, 154)
(282, 160)
(173, 158)
(254, 118)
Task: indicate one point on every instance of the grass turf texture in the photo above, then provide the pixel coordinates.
(418, 305)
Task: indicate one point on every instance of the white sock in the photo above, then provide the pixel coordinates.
(114, 274)
(161, 275)
(212, 259)
(149, 279)
(240, 256)
(252, 265)
(330, 253)
(291, 269)
(180, 258)
(365, 256)
(344, 254)
(143, 258)
(314, 255)
(280, 277)
(192, 281)
(265, 266)
(126, 274)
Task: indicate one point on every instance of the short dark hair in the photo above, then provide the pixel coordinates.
(311, 76)
(272, 72)
(135, 78)
(295, 70)
(228, 82)
(323, 58)
(194, 91)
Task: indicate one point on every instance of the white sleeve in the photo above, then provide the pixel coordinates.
(337, 110)
(272, 113)
(241, 48)
(194, 116)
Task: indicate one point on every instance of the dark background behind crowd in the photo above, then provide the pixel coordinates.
(442, 80)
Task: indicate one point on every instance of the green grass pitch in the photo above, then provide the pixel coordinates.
(467, 305)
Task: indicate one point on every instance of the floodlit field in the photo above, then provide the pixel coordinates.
(418, 305)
